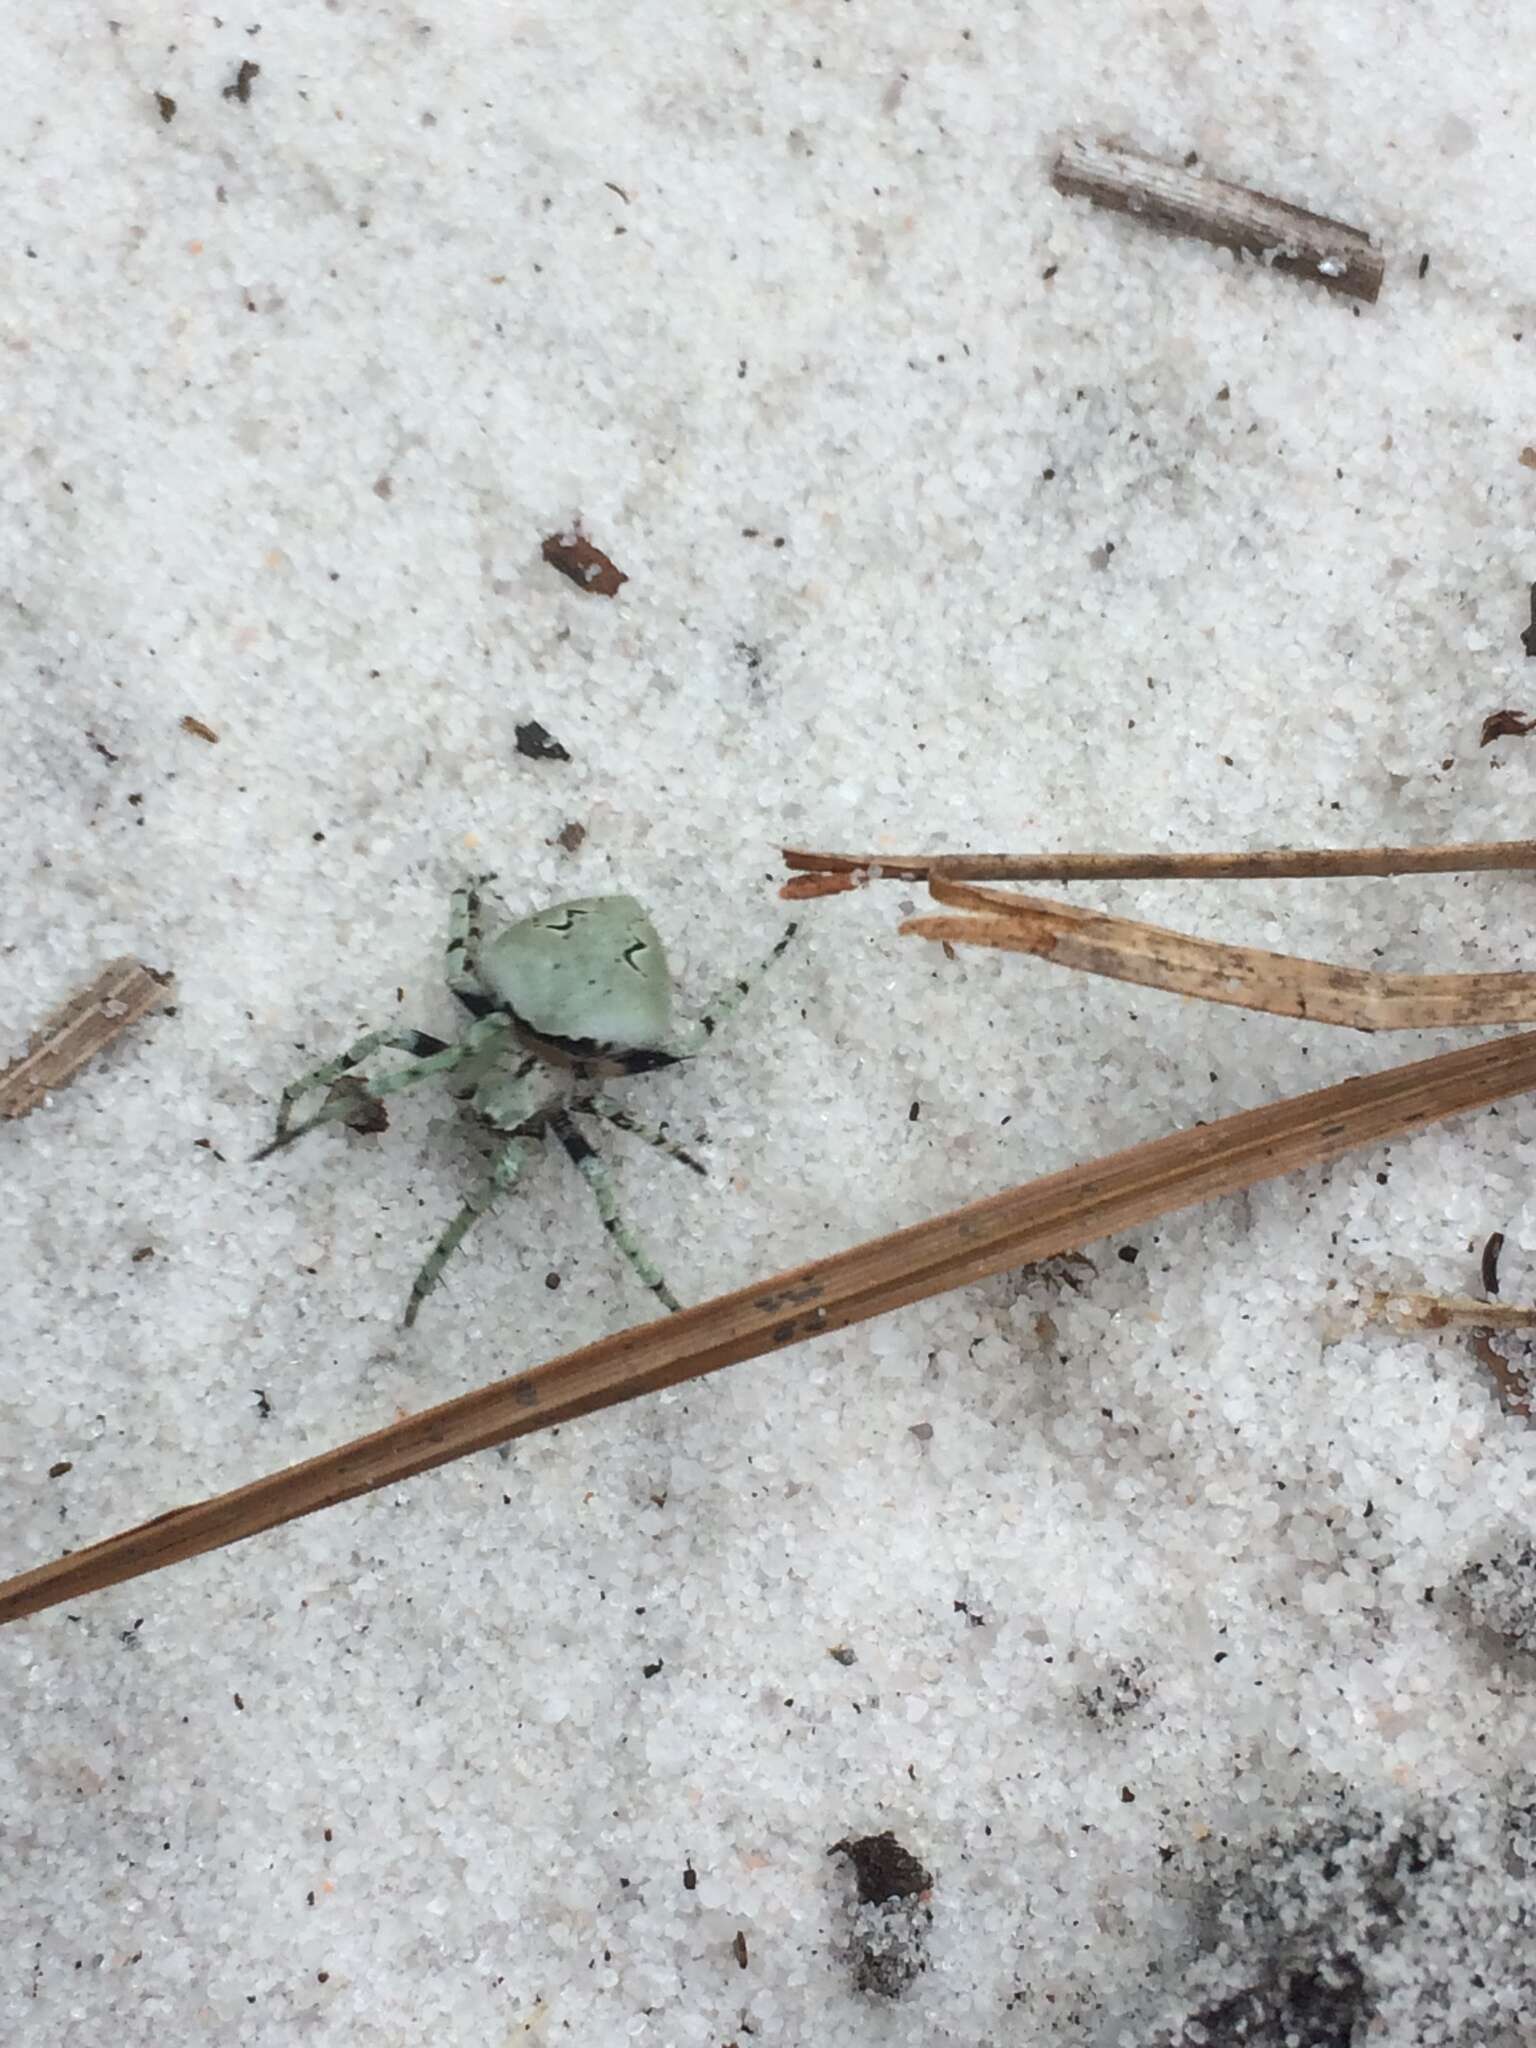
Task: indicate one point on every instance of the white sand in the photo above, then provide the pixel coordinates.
(294, 389)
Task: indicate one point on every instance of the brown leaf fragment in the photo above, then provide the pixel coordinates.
(198, 730)
(739, 1949)
(570, 836)
(1528, 458)
(167, 107)
(124, 991)
(366, 1113)
(586, 566)
(1500, 725)
(240, 87)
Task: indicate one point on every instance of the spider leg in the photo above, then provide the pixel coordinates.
(503, 1103)
(421, 1043)
(463, 957)
(508, 1165)
(616, 1114)
(693, 1033)
(599, 1180)
(481, 1040)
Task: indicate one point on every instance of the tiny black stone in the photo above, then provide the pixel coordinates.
(535, 743)
(883, 1868)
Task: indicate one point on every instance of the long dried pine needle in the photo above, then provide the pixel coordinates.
(1060, 1213)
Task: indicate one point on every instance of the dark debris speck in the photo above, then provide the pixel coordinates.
(535, 743)
(883, 1868)
(239, 87)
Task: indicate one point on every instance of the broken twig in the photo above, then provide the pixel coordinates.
(1181, 202)
(1040, 1220)
(124, 991)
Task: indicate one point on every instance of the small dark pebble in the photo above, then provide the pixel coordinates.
(240, 1703)
(145, 1251)
(1424, 264)
(64, 1465)
(1129, 1253)
(923, 1431)
(914, 1112)
(841, 1654)
(739, 1949)
(571, 836)
(883, 1868)
(552, 1281)
(650, 1670)
(690, 1878)
(535, 743)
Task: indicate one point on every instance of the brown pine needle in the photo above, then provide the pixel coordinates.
(827, 874)
(1283, 984)
(1040, 1220)
(123, 992)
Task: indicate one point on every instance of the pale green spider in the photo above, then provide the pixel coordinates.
(582, 988)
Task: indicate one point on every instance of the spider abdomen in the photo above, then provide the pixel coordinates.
(583, 981)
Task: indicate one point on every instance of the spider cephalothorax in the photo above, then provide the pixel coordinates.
(579, 991)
